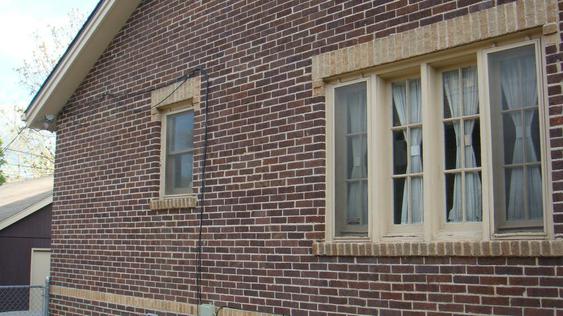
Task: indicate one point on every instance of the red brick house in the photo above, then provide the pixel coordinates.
(362, 157)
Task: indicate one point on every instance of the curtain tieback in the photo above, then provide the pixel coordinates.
(415, 150)
(468, 140)
(519, 133)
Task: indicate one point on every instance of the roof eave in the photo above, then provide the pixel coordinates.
(80, 57)
(26, 212)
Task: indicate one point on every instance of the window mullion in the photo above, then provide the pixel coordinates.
(431, 134)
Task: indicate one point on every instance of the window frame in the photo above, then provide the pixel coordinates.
(164, 114)
(447, 230)
(331, 157)
(543, 122)
(430, 70)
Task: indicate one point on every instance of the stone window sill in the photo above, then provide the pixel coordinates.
(173, 202)
(499, 248)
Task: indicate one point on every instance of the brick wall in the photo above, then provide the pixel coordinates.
(266, 173)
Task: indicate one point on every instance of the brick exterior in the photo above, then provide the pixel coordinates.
(266, 177)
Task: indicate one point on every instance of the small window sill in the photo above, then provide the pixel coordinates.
(173, 202)
(498, 248)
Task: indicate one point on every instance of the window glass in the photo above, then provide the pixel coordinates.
(351, 159)
(179, 153)
(407, 152)
(516, 148)
(462, 145)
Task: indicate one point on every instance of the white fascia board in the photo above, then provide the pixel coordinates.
(78, 60)
(25, 213)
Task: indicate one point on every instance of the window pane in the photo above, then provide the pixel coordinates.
(357, 155)
(452, 145)
(179, 131)
(179, 173)
(350, 132)
(400, 214)
(179, 158)
(473, 201)
(532, 134)
(414, 101)
(416, 150)
(470, 93)
(533, 186)
(407, 151)
(452, 98)
(399, 104)
(454, 207)
(516, 138)
(417, 201)
(512, 133)
(472, 143)
(515, 194)
(399, 152)
(357, 203)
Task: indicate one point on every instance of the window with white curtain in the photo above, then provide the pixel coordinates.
(440, 150)
(462, 145)
(407, 152)
(514, 99)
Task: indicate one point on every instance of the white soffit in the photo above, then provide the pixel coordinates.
(80, 57)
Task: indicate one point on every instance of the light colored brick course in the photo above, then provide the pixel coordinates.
(508, 248)
(493, 22)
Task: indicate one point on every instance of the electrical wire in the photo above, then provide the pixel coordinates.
(31, 154)
(183, 79)
(205, 75)
(11, 141)
(27, 166)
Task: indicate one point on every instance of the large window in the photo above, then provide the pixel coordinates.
(450, 148)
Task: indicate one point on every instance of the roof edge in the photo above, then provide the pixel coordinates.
(26, 212)
(102, 25)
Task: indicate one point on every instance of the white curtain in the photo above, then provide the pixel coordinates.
(472, 179)
(414, 163)
(519, 87)
(357, 123)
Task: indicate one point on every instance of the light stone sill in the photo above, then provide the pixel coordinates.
(173, 202)
(498, 248)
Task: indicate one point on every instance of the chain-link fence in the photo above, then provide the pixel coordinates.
(24, 300)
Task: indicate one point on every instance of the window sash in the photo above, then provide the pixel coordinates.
(351, 192)
(407, 121)
(169, 170)
(467, 180)
(499, 114)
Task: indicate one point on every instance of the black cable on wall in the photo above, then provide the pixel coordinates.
(205, 76)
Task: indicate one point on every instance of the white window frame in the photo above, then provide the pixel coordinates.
(330, 145)
(543, 118)
(164, 114)
(379, 111)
